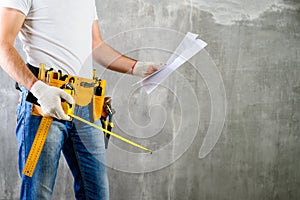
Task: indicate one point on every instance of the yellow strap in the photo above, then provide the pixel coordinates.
(105, 123)
(111, 124)
(105, 126)
(111, 133)
(37, 146)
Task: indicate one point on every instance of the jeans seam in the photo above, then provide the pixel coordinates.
(24, 158)
(80, 170)
(24, 120)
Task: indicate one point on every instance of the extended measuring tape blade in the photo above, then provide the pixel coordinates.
(37, 146)
(111, 133)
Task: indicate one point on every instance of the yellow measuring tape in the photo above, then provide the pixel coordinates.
(111, 133)
(37, 146)
(41, 136)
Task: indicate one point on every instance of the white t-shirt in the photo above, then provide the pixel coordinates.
(57, 33)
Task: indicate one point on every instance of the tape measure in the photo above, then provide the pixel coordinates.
(41, 137)
(111, 133)
(37, 146)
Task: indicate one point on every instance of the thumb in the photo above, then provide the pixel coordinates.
(66, 97)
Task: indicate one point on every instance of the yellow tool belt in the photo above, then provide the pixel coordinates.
(84, 91)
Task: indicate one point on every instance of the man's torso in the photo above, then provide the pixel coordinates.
(59, 34)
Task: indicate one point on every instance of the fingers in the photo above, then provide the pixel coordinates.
(53, 106)
(152, 68)
(59, 111)
(66, 97)
(55, 110)
(60, 114)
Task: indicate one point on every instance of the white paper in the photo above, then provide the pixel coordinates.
(188, 47)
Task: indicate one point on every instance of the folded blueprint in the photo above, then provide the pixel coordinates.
(188, 47)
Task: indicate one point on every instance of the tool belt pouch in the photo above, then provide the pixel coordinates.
(98, 100)
(86, 92)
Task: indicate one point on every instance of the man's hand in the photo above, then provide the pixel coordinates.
(49, 98)
(144, 69)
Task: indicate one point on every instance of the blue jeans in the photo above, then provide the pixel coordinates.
(83, 149)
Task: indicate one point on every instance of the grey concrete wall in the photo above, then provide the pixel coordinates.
(255, 47)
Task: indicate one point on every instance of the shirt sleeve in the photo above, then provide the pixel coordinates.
(95, 11)
(21, 5)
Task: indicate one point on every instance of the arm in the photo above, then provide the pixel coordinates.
(11, 21)
(107, 56)
(113, 60)
(49, 98)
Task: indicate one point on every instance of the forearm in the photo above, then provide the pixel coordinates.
(13, 64)
(108, 57)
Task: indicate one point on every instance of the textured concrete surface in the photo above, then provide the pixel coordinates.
(255, 45)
